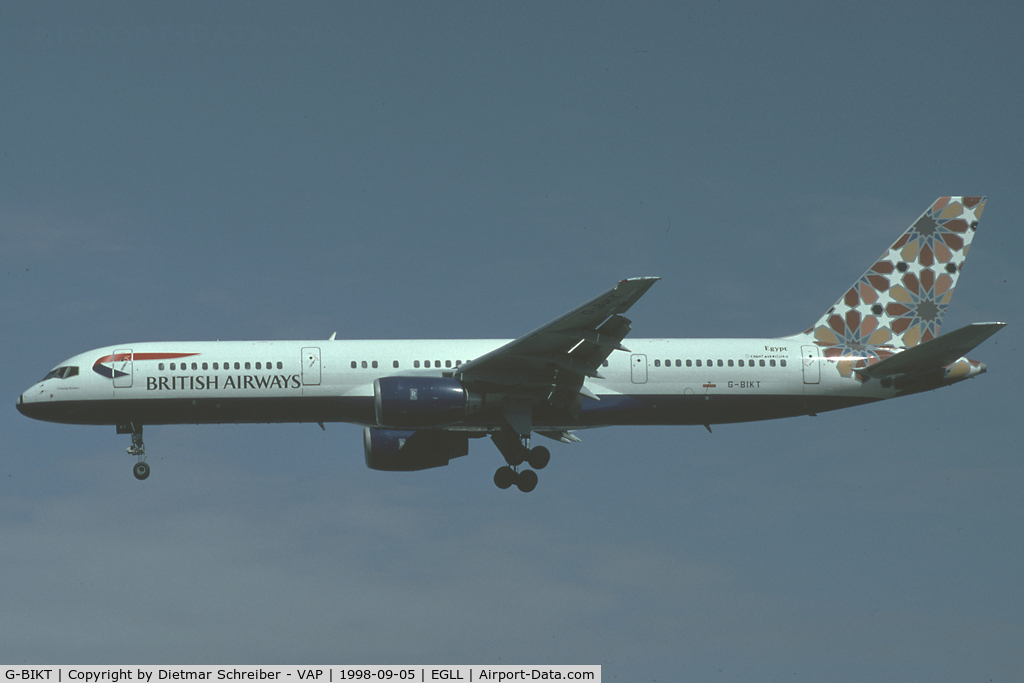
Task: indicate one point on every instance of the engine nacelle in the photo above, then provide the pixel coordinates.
(393, 450)
(416, 402)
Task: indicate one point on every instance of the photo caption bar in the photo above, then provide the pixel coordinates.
(313, 673)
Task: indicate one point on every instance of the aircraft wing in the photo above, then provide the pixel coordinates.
(935, 353)
(550, 364)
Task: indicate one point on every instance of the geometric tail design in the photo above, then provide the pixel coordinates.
(901, 299)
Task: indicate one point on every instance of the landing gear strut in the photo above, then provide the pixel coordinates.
(516, 451)
(138, 448)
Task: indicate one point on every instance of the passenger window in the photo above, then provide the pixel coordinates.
(426, 363)
(216, 366)
(353, 365)
(173, 366)
(259, 366)
(248, 365)
(698, 363)
(415, 363)
(280, 365)
(689, 363)
(374, 364)
(195, 366)
(437, 363)
(657, 363)
(206, 366)
(772, 362)
(761, 363)
(394, 364)
(720, 363)
(363, 364)
(679, 363)
(730, 362)
(237, 365)
(160, 366)
(447, 363)
(782, 363)
(740, 362)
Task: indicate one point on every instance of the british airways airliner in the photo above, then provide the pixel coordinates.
(421, 401)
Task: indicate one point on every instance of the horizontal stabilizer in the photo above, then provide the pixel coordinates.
(933, 354)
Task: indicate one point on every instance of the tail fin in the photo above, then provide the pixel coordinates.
(901, 299)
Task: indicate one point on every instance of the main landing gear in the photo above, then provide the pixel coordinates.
(517, 451)
(525, 481)
(138, 448)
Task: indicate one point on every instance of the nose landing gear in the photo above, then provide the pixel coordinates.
(141, 470)
(138, 448)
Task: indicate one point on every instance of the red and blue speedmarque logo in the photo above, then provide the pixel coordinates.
(105, 365)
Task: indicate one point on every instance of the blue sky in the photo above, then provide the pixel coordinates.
(410, 170)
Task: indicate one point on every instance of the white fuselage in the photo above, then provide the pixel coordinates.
(659, 381)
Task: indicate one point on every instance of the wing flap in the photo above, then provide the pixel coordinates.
(933, 354)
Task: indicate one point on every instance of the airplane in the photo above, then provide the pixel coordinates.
(421, 401)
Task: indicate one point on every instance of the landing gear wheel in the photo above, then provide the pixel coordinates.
(140, 470)
(526, 481)
(504, 477)
(516, 457)
(539, 458)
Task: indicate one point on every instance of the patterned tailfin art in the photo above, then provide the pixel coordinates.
(901, 299)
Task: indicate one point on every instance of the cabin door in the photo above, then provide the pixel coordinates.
(638, 368)
(812, 368)
(311, 366)
(122, 366)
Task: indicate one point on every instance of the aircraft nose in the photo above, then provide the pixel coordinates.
(20, 405)
(29, 408)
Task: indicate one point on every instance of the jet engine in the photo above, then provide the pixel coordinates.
(393, 450)
(415, 402)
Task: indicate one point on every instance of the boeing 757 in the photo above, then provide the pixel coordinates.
(421, 401)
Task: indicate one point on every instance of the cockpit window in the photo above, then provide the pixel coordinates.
(62, 372)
